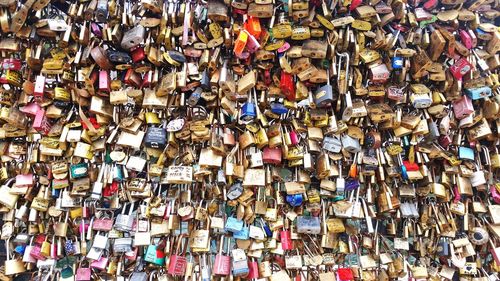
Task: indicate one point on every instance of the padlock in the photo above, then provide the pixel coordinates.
(324, 95)
(397, 62)
(248, 111)
(287, 86)
(222, 265)
(239, 263)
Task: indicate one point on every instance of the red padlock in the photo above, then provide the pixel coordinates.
(431, 4)
(272, 155)
(287, 86)
(445, 140)
(12, 64)
(138, 54)
(267, 77)
(132, 78)
(345, 274)
(253, 270)
(178, 262)
(146, 80)
(460, 68)
(222, 265)
(286, 240)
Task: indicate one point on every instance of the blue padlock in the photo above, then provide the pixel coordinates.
(55, 192)
(466, 153)
(267, 229)
(248, 112)
(278, 108)
(233, 224)
(20, 249)
(397, 62)
(404, 173)
(294, 200)
(478, 93)
(243, 234)
(351, 184)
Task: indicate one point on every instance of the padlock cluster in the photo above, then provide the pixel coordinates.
(250, 140)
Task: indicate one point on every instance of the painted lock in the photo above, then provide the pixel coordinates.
(397, 62)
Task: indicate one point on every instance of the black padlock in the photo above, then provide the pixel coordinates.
(156, 137)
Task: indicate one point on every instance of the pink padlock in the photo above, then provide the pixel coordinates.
(83, 273)
(31, 109)
(41, 123)
(84, 227)
(466, 39)
(462, 107)
(286, 240)
(222, 265)
(294, 137)
(228, 137)
(495, 195)
(252, 44)
(104, 81)
(24, 180)
(178, 262)
(85, 211)
(100, 264)
(253, 270)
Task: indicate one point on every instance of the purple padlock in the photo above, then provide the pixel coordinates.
(351, 184)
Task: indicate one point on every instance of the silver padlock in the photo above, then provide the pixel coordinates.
(350, 144)
(133, 37)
